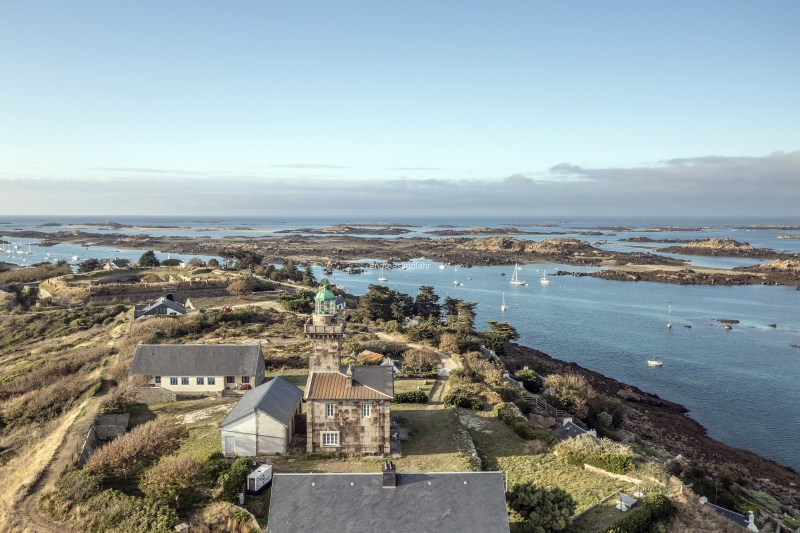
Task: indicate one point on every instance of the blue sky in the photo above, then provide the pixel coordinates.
(209, 100)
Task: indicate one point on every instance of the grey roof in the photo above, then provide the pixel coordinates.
(145, 309)
(568, 431)
(197, 360)
(458, 502)
(277, 398)
(377, 378)
(740, 519)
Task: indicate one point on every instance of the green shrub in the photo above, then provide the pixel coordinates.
(414, 396)
(234, 479)
(457, 400)
(653, 510)
(542, 510)
(511, 416)
(601, 453)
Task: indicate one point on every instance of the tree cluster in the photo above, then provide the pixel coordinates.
(542, 510)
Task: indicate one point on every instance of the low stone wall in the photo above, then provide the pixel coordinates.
(109, 427)
(179, 295)
(152, 395)
(85, 452)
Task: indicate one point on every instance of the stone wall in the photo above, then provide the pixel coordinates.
(356, 434)
(152, 395)
(325, 350)
(109, 427)
(88, 448)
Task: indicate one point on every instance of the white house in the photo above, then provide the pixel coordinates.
(262, 422)
(199, 369)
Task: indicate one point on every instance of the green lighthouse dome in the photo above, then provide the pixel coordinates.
(325, 302)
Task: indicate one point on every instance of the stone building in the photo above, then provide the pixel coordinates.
(348, 408)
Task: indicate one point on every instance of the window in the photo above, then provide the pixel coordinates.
(173, 381)
(158, 380)
(330, 409)
(230, 379)
(212, 381)
(184, 381)
(330, 438)
(366, 410)
(200, 381)
(245, 379)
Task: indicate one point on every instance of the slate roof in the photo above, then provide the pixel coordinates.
(567, 431)
(737, 518)
(197, 360)
(277, 398)
(145, 309)
(458, 502)
(369, 383)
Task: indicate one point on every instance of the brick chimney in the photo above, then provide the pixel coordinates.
(389, 475)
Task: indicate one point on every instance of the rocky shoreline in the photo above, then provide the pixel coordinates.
(738, 276)
(666, 425)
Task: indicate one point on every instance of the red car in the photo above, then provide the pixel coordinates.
(246, 387)
(226, 309)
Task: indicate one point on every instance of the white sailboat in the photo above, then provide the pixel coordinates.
(29, 248)
(544, 280)
(503, 307)
(652, 361)
(514, 278)
(669, 317)
(382, 278)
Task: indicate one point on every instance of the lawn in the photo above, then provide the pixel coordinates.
(406, 385)
(501, 449)
(295, 376)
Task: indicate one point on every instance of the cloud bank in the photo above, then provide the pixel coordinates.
(698, 186)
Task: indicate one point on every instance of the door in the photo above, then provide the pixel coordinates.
(230, 445)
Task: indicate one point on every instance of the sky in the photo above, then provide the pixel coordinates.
(492, 108)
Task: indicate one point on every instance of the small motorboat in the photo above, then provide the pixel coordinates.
(456, 283)
(728, 327)
(650, 362)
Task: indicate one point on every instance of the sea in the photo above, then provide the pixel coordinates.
(742, 384)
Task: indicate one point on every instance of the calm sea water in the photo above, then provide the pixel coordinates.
(741, 384)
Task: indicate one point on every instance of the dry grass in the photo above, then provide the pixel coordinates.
(43, 441)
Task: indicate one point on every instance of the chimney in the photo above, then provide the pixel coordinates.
(389, 475)
(349, 375)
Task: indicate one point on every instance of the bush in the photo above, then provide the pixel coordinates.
(414, 396)
(457, 400)
(300, 302)
(511, 416)
(420, 361)
(572, 391)
(542, 510)
(170, 478)
(654, 509)
(529, 379)
(73, 487)
(114, 512)
(234, 479)
(37, 273)
(241, 286)
(140, 448)
(448, 343)
(149, 259)
(600, 453)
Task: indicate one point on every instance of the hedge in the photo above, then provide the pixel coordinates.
(414, 396)
(610, 462)
(511, 416)
(457, 400)
(645, 518)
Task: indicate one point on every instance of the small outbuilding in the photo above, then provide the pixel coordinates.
(262, 421)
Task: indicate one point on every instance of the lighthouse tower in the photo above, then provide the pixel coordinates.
(325, 333)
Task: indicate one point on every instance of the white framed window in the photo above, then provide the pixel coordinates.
(200, 381)
(184, 381)
(330, 410)
(212, 381)
(173, 381)
(158, 380)
(330, 438)
(230, 379)
(366, 410)
(245, 379)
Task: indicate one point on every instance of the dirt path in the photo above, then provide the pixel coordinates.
(29, 507)
(446, 361)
